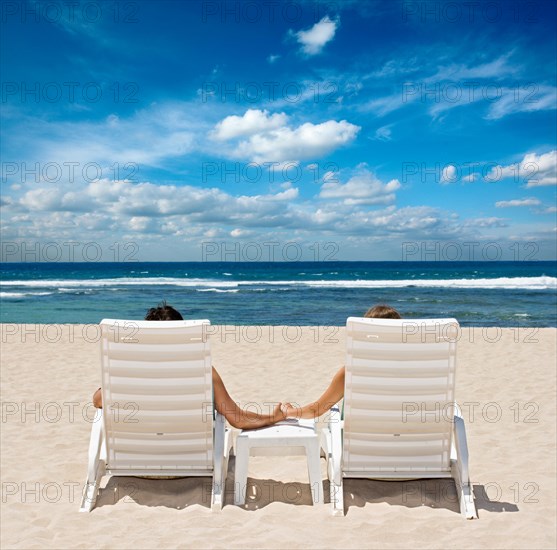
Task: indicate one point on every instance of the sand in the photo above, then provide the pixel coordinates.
(48, 373)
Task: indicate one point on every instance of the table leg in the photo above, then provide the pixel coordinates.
(241, 471)
(314, 471)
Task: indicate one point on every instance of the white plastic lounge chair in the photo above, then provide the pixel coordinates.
(157, 417)
(399, 411)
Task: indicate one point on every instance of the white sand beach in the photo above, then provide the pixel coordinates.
(506, 386)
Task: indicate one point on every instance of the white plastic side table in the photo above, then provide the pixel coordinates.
(287, 438)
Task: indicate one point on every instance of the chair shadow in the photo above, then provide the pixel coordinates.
(184, 492)
(176, 493)
(483, 502)
(433, 493)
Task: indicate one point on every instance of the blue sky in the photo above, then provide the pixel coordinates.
(366, 124)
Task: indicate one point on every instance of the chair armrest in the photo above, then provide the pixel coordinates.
(461, 446)
(335, 450)
(96, 444)
(220, 428)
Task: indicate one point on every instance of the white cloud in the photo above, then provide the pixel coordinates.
(498, 68)
(448, 174)
(135, 206)
(517, 202)
(270, 139)
(387, 104)
(110, 208)
(140, 223)
(290, 193)
(449, 86)
(162, 220)
(523, 99)
(358, 206)
(363, 188)
(471, 177)
(535, 170)
(409, 218)
(272, 58)
(330, 175)
(395, 67)
(253, 121)
(314, 39)
(502, 100)
(239, 233)
(487, 222)
(384, 133)
(148, 137)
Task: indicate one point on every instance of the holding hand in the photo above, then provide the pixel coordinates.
(291, 411)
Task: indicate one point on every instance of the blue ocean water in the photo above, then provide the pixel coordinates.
(285, 293)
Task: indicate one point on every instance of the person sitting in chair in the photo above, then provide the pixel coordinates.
(225, 405)
(335, 392)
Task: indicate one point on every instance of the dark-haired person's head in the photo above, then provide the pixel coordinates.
(382, 311)
(163, 312)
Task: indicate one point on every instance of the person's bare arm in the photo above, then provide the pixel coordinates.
(236, 416)
(332, 395)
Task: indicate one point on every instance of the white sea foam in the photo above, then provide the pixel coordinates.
(520, 283)
(527, 283)
(13, 294)
(22, 294)
(215, 290)
(123, 281)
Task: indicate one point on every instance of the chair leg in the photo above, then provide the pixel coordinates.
(337, 497)
(325, 443)
(460, 471)
(314, 471)
(96, 466)
(241, 470)
(334, 466)
(467, 506)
